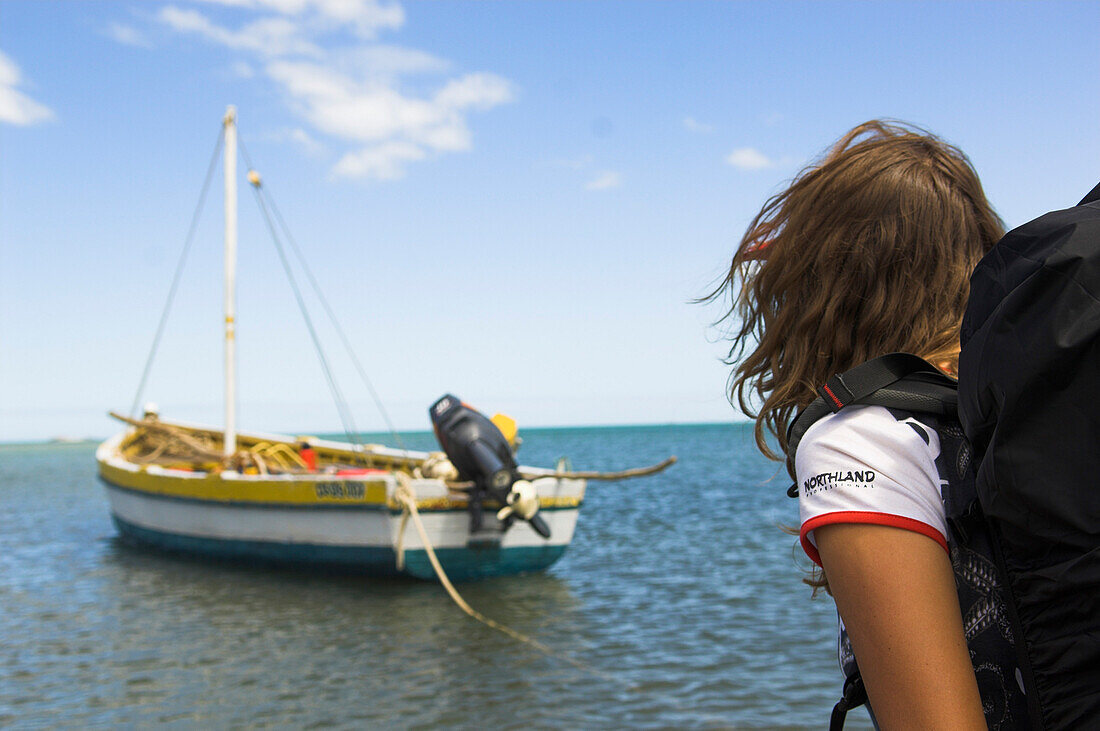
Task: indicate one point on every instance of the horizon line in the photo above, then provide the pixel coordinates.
(60, 440)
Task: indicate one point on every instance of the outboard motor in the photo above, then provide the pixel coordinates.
(483, 456)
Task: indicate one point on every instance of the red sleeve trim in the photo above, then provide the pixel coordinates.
(866, 517)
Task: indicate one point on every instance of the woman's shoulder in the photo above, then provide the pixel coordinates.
(872, 429)
(868, 464)
(873, 440)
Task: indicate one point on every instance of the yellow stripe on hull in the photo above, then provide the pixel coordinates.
(321, 491)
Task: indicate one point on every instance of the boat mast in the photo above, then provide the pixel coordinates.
(230, 166)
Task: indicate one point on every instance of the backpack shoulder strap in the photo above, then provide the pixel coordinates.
(897, 381)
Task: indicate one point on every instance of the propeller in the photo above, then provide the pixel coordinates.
(523, 501)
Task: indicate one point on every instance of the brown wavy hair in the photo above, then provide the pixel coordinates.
(868, 252)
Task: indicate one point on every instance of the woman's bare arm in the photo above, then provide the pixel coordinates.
(896, 593)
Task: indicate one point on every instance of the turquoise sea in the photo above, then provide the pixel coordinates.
(680, 592)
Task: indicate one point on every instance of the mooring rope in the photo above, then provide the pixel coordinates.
(405, 496)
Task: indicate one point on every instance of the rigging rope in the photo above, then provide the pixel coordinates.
(325, 304)
(341, 403)
(179, 271)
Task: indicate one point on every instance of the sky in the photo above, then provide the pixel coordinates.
(515, 202)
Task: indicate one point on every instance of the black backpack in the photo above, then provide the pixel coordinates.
(1028, 477)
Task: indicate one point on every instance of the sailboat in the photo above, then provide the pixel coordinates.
(225, 493)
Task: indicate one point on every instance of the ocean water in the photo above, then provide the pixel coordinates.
(680, 596)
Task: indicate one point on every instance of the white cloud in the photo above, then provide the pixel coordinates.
(15, 106)
(372, 97)
(243, 70)
(475, 91)
(128, 35)
(9, 72)
(309, 144)
(381, 61)
(341, 107)
(267, 36)
(605, 181)
(371, 112)
(365, 17)
(383, 162)
(749, 158)
(304, 139)
(692, 125)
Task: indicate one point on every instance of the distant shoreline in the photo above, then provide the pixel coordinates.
(62, 441)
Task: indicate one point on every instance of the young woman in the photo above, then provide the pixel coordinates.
(868, 252)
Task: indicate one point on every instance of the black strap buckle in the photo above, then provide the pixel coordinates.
(854, 696)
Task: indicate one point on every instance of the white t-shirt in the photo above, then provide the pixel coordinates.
(863, 465)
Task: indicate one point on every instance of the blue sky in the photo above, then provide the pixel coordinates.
(512, 201)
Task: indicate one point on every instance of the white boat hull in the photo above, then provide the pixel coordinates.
(348, 522)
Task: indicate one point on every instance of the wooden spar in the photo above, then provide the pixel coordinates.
(198, 447)
(374, 453)
(590, 475)
(230, 166)
(610, 476)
